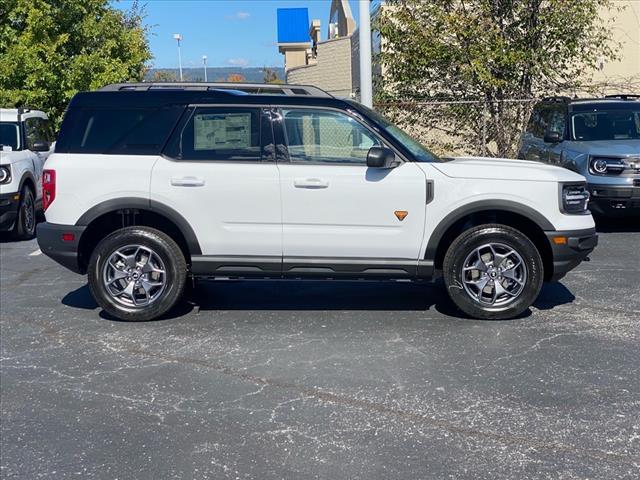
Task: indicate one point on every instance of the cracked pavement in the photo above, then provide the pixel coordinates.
(326, 380)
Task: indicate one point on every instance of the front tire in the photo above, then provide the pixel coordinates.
(25, 227)
(137, 273)
(493, 272)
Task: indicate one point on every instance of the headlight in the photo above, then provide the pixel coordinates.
(606, 166)
(574, 198)
(5, 174)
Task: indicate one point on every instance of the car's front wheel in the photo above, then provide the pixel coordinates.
(26, 222)
(493, 272)
(137, 273)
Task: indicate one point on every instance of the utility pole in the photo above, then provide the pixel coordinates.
(366, 86)
(204, 62)
(178, 38)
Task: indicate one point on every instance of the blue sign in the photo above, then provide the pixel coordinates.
(293, 25)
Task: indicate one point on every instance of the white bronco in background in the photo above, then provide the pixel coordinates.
(150, 185)
(26, 140)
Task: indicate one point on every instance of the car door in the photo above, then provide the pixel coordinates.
(218, 172)
(339, 216)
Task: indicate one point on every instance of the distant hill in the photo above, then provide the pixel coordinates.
(214, 74)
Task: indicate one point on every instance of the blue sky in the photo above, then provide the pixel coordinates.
(230, 32)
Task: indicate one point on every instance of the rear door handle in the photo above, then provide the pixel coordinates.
(187, 182)
(310, 183)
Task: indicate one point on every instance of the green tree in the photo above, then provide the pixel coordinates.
(491, 51)
(49, 50)
(269, 75)
(164, 76)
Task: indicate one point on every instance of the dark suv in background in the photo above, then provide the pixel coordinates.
(598, 138)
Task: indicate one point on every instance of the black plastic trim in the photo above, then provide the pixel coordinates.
(50, 242)
(310, 267)
(580, 243)
(144, 204)
(475, 207)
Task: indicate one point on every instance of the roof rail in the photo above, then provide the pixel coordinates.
(624, 96)
(249, 88)
(558, 99)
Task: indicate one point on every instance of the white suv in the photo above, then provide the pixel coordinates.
(26, 139)
(152, 183)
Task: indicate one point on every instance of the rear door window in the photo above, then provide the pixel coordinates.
(220, 134)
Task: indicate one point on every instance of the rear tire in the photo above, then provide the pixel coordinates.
(25, 227)
(493, 272)
(137, 273)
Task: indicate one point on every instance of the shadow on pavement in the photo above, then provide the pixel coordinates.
(291, 295)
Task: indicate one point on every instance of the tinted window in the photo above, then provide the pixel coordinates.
(10, 135)
(219, 133)
(35, 131)
(325, 136)
(142, 131)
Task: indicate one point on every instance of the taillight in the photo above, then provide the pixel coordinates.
(48, 188)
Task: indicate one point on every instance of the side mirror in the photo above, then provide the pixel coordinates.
(40, 147)
(381, 157)
(552, 137)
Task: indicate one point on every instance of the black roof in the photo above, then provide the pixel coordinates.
(166, 97)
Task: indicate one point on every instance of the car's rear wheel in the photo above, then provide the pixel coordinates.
(137, 273)
(25, 227)
(493, 272)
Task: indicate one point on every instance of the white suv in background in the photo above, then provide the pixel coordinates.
(26, 140)
(152, 183)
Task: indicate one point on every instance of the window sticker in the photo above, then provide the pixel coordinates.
(227, 131)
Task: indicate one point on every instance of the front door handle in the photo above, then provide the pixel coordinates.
(310, 183)
(187, 182)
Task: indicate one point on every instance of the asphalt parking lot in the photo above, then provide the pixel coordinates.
(340, 380)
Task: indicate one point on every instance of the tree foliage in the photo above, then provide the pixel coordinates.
(489, 50)
(269, 75)
(236, 78)
(51, 49)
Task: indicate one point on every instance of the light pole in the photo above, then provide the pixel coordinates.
(178, 38)
(204, 62)
(366, 88)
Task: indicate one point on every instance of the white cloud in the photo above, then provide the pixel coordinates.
(238, 62)
(239, 16)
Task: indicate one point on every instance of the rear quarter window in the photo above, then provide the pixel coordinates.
(141, 131)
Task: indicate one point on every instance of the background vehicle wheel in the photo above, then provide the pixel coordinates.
(493, 272)
(25, 227)
(137, 273)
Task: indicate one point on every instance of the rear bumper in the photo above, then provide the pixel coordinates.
(65, 252)
(616, 200)
(567, 256)
(9, 203)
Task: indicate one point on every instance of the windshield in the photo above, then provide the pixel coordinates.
(10, 135)
(618, 124)
(419, 151)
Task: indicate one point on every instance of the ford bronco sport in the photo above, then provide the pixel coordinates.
(26, 140)
(152, 183)
(597, 138)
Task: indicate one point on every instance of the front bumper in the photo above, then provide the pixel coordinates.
(9, 203)
(65, 252)
(615, 200)
(577, 246)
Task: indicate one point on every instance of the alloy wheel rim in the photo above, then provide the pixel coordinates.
(494, 275)
(134, 276)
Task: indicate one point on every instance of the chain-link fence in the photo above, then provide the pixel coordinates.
(466, 127)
